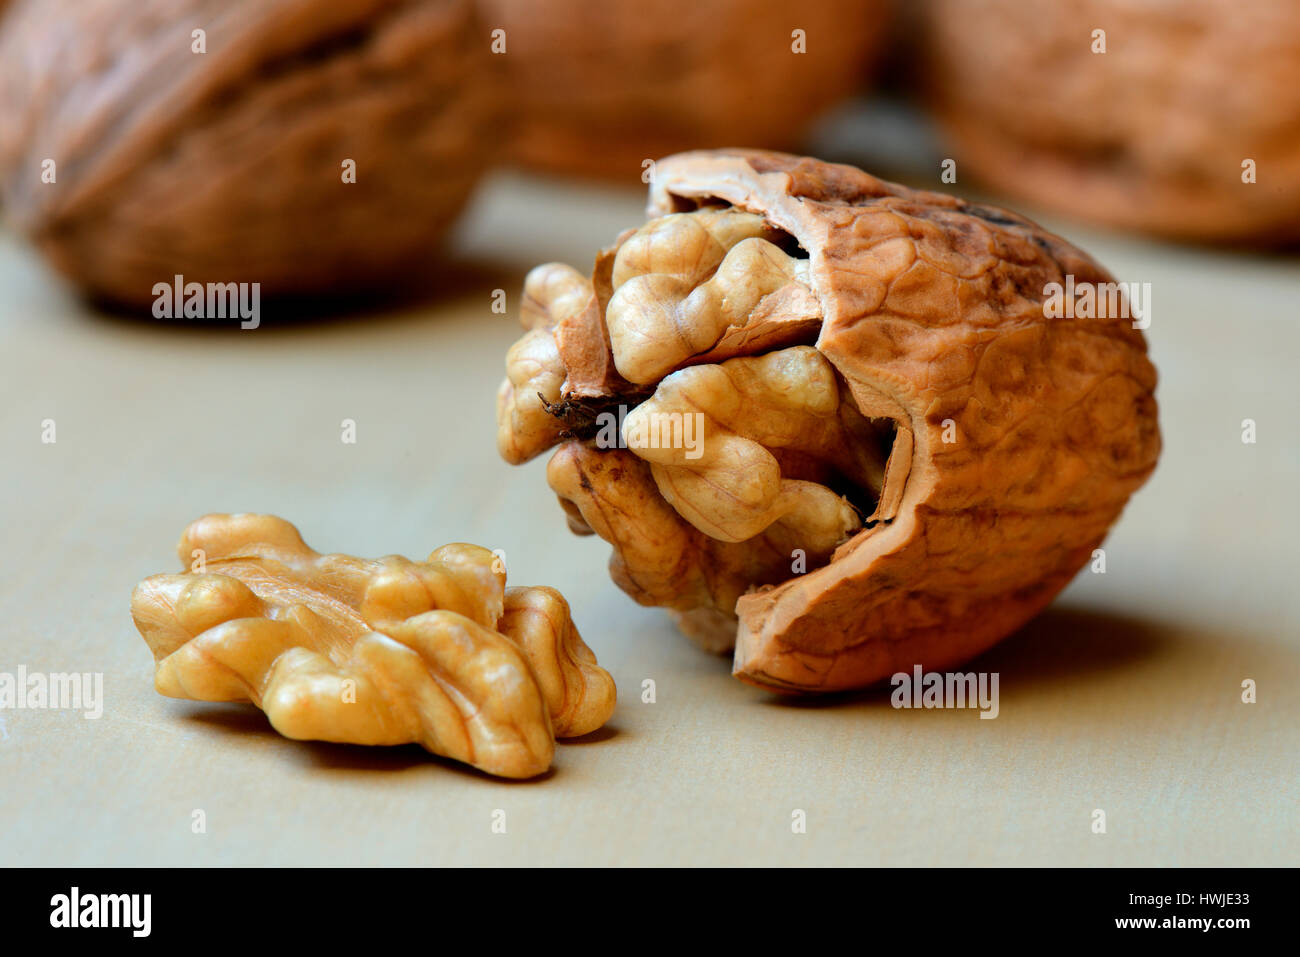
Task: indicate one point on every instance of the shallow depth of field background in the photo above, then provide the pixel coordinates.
(1124, 696)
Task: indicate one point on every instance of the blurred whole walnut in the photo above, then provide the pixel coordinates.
(600, 87)
(1152, 134)
(229, 165)
(842, 425)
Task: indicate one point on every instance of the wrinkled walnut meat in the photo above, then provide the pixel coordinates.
(824, 419)
(389, 651)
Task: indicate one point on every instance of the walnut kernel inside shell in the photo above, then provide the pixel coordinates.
(883, 447)
(710, 413)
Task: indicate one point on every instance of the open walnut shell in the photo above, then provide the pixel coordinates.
(227, 166)
(851, 438)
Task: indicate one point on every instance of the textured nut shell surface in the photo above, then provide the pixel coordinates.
(1149, 135)
(226, 166)
(934, 312)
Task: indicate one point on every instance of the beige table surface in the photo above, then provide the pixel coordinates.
(1124, 696)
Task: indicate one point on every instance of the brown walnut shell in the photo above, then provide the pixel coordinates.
(599, 87)
(1015, 438)
(1149, 135)
(227, 166)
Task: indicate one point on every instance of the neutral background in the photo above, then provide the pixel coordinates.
(1123, 696)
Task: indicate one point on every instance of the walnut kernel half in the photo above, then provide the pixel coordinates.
(385, 651)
